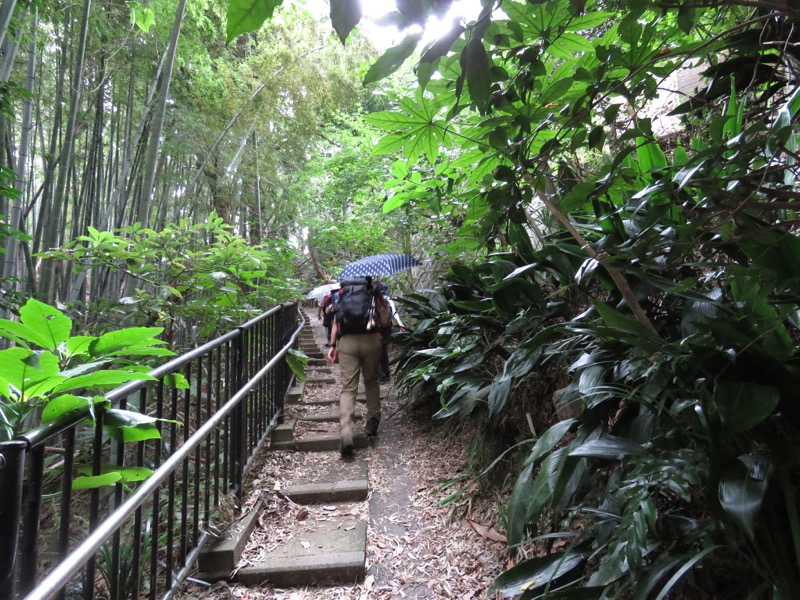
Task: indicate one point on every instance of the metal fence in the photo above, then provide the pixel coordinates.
(141, 538)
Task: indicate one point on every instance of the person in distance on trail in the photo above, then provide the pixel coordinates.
(356, 344)
(325, 313)
(386, 334)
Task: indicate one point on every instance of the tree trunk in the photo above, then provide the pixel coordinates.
(143, 212)
(12, 246)
(54, 227)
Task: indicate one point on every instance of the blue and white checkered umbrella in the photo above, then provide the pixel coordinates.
(379, 265)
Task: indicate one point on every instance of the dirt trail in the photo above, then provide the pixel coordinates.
(413, 548)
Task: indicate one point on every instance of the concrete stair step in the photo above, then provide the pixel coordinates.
(334, 552)
(319, 371)
(330, 416)
(318, 402)
(320, 379)
(295, 393)
(222, 555)
(283, 433)
(342, 482)
(320, 442)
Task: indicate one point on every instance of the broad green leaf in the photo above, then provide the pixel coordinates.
(535, 573)
(650, 156)
(30, 373)
(392, 59)
(297, 361)
(245, 16)
(441, 46)
(589, 20)
(139, 433)
(498, 395)
(555, 91)
(742, 487)
(395, 202)
(127, 474)
(118, 417)
(517, 513)
(568, 45)
(686, 16)
(743, 405)
(78, 345)
(608, 447)
(40, 325)
(130, 340)
(141, 16)
(61, 405)
(102, 379)
(345, 15)
(177, 381)
(476, 66)
(96, 481)
(617, 320)
(549, 439)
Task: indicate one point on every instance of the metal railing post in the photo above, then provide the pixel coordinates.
(239, 415)
(12, 463)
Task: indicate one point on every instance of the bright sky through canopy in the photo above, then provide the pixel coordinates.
(385, 37)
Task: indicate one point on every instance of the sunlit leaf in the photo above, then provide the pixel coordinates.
(245, 16)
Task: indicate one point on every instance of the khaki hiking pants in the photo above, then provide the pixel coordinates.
(358, 352)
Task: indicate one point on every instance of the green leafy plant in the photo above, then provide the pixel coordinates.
(50, 373)
(186, 276)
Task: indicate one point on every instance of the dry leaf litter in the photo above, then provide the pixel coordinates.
(415, 548)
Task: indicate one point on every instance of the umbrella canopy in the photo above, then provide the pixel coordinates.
(318, 293)
(379, 265)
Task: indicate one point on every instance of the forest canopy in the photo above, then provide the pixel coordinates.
(603, 191)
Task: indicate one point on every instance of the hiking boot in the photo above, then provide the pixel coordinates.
(371, 428)
(346, 446)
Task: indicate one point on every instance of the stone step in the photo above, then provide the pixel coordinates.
(334, 552)
(222, 555)
(330, 416)
(342, 482)
(319, 371)
(314, 362)
(320, 442)
(295, 393)
(283, 433)
(318, 402)
(320, 379)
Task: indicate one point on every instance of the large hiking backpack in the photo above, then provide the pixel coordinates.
(355, 307)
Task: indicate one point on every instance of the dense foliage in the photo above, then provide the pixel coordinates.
(130, 125)
(618, 179)
(640, 287)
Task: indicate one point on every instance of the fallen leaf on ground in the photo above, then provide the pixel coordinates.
(488, 533)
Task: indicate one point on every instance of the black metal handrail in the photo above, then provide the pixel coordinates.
(144, 537)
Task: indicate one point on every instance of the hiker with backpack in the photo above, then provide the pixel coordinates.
(325, 313)
(356, 344)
